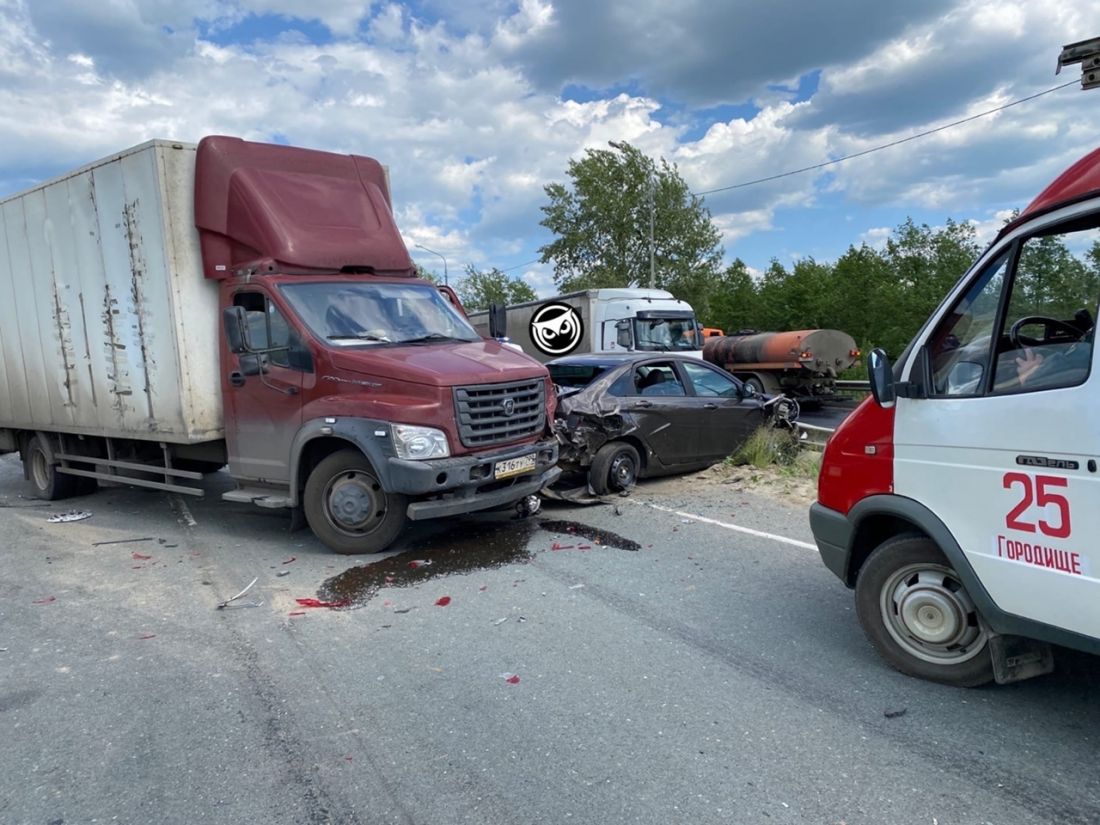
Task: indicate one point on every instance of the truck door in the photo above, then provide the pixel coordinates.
(1004, 448)
(263, 409)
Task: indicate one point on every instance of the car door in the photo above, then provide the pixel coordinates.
(1004, 448)
(722, 419)
(653, 393)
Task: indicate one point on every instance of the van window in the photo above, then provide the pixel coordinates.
(961, 345)
(1045, 339)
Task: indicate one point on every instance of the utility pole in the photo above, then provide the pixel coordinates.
(446, 282)
(652, 209)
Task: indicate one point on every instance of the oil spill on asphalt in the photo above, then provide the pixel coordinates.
(469, 547)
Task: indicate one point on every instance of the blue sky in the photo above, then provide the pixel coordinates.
(476, 107)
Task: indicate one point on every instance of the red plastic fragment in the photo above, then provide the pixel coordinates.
(443, 601)
(139, 556)
(297, 613)
(513, 679)
(418, 563)
(46, 600)
(483, 588)
(292, 558)
(319, 603)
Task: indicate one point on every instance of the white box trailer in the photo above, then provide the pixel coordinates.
(107, 325)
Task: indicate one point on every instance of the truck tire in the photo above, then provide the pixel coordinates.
(347, 507)
(919, 617)
(48, 483)
(756, 384)
(614, 468)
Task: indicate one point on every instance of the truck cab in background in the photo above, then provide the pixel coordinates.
(960, 500)
(600, 320)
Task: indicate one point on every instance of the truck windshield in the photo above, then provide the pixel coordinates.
(666, 334)
(354, 314)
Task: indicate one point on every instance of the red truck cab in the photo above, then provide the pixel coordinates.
(351, 388)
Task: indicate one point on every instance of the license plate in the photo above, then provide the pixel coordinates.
(514, 466)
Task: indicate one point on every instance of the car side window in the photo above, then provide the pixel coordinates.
(658, 379)
(711, 383)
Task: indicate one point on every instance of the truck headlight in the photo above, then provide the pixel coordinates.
(419, 442)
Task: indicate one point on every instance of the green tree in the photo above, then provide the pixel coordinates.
(479, 289)
(734, 304)
(602, 222)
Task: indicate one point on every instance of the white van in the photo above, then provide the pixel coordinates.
(962, 501)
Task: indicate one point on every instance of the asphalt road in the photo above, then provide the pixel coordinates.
(533, 672)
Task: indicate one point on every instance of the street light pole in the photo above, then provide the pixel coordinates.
(446, 282)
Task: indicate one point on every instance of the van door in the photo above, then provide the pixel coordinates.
(1004, 448)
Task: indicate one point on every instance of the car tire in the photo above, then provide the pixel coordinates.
(347, 507)
(47, 482)
(614, 468)
(919, 617)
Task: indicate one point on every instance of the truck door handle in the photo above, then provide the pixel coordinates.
(236, 379)
(710, 406)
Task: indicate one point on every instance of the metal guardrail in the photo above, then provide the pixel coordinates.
(813, 437)
(853, 386)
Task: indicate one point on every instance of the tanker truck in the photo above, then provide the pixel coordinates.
(803, 364)
(175, 308)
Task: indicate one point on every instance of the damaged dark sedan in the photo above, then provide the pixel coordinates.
(622, 417)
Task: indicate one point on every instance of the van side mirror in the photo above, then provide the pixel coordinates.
(881, 376)
(498, 321)
(236, 330)
(623, 336)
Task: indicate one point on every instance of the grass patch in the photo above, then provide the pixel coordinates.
(768, 447)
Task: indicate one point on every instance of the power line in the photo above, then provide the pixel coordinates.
(518, 266)
(885, 145)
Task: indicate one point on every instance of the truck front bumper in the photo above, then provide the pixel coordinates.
(833, 535)
(452, 486)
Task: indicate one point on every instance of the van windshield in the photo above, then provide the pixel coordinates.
(666, 334)
(356, 314)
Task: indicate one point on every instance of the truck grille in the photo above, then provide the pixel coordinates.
(499, 413)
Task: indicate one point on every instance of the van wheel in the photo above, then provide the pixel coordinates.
(614, 468)
(348, 509)
(48, 483)
(919, 617)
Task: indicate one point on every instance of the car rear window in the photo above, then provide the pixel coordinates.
(575, 375)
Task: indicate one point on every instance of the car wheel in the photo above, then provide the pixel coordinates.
(347, 507)
(614, 468)
(918, 615)
(48, 483)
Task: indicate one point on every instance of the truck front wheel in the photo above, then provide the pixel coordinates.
(919, 617)
(347, 507)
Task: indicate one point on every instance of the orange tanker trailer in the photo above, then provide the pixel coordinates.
(802, 364)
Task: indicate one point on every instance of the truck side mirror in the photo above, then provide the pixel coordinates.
(498, 321)
(236, 330)
(881, 376)
(623, 336)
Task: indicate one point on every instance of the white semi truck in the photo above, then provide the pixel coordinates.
(600, 320)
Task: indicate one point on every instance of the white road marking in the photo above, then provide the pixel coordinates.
(183, 512)
(735, 527)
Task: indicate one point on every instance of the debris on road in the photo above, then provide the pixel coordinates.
(291, 559)
(121, 541)
(500, 621)
(72, 515)
(227, 602)
(417, 563)
(319, 603)
(46, 600)
(283, 573)
(136, 556)
(510, 678)
(443, 601)
(894, 714)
